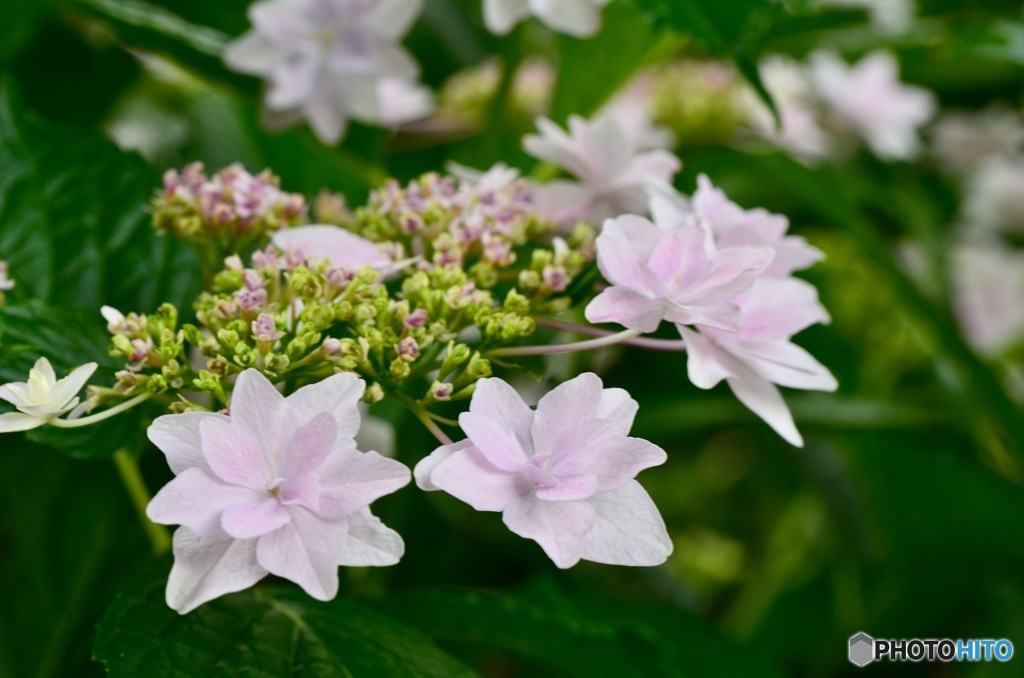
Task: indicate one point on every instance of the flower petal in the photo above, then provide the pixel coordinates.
(468, 476)
(425, 468)
(306, 551)
(205, 569)
(370, 543)
(236, 456)
(351, 480)
(560, 527)
(12, 422)
(196, 498)
(764, 400)
(258, 407)
(342, 248)
(309, 447)
(627, 308)
(68, 387)
(255, 519)
(499, 445)
(497, 400)
(628, 529)
(178, 437)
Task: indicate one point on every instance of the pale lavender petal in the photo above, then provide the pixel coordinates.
(178, 437)
(342, 248)
(309, 446)
(499, 445)
(560, 527)
(306, 551)
(252, 53)
(627, 308)
(501, 15)
(205, 569)
(497, 400)
(351, 480)
(579, 18)
(468, 476)
(255, 519)
(571, 489)
(258, 407)
(596, 447)
(338, 395)
(786, 364)
(235, 455)
(196, 499)
(764, 400)
(628, 529)
(706, 363)
(370, 543)
(424, 470)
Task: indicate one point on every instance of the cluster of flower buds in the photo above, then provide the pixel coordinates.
(153, 348)
(231, 211)
(485, 224)
(6, 283)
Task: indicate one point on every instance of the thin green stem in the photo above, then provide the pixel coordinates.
(589, 345)
(128, 468)
(590, 331)
(102, 416)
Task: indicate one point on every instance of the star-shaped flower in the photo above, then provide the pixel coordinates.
(612, 175)
(43, 397)
(562, 475)
(278, 487)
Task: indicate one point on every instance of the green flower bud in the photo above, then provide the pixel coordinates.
(374, 393)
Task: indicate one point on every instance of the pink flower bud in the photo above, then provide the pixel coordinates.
(408, 349)
(417, 318)
(264, 329)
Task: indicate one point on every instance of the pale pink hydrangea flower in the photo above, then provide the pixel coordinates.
(760, 355)
(732, 226)
(562, 475)
(962, 141)
(278, 487)
(988, 286)
(764, 306)
(994, 202)
(870, 98)
(631, 108)
(43, 397)
(331, 60)
(580, 18)
(800, 132)
(675, 275)
(612, 174)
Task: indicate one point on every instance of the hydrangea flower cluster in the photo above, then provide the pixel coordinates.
(329, 61)
(419, 297)
(723, 276)
(231, 210)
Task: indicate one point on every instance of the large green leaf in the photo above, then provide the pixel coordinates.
(570, 636)
(263, 632)
(73, 221)
(68, 536)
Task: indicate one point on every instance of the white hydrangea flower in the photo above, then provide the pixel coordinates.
(580, 18)
(329, 61)
(43, 397)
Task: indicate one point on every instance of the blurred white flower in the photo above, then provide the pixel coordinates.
(328, 61)
(6, 283)
(631, 108)
(581, 18)
(612, 174)
(800, 133)
(962, 141)
(994, 199)
(988, 286)
(870, 98)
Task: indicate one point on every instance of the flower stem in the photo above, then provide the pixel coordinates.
(128, 468)
(589, 345)
(432, 426)
(106, 414)
(590, 331)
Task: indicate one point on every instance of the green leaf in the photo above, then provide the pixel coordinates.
(729, 28)
(20, 20)
(73, 221)
(262, 632)
(592, 70)
(68, 537)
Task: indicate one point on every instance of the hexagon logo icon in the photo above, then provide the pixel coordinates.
(862, 649)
